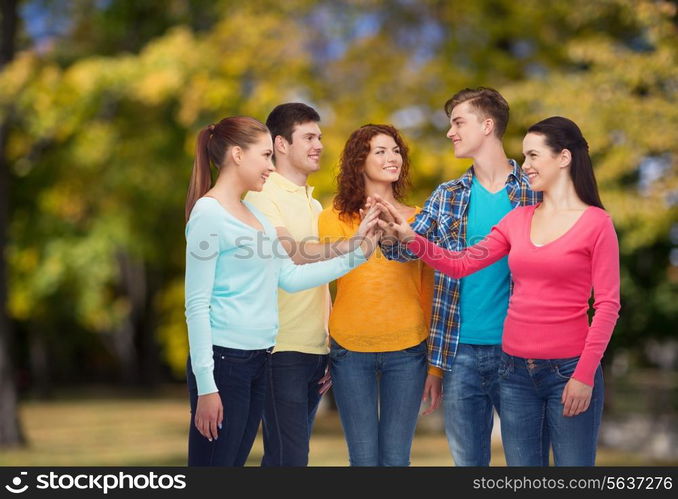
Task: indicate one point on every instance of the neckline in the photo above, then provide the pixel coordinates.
(478, 183)
(249, 207)
(529, 227)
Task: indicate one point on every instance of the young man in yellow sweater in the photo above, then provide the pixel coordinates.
(297, 376)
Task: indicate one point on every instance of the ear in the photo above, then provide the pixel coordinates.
(565, 158)
(280, 144)
(488, 126)
(236, 153)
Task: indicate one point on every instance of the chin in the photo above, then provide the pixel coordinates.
(461, 154)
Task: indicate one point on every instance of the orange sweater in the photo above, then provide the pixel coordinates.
(381, 306)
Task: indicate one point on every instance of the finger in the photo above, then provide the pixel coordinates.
(563, 397)
(394, 213)
(203, 429)
(325, 387)
(220, 417)
(213, 429)
(587, 403)
(324, 379)
(436, 403)
(569, 404)
(576, 407)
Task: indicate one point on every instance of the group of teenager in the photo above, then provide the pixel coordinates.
(478, 301)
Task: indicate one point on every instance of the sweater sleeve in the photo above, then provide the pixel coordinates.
(605, 280)
(457, 264)
(202, 250)
(295, 278)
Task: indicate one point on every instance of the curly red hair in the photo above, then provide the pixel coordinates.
(350, 180)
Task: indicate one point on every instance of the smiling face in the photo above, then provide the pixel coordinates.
(542, 165)
(384, 161)
(304, 151)
(256, 163)
(467, 130)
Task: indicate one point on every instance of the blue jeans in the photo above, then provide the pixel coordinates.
(239, 375)
(292, 400)
(378, 395)
(531, 391)
(470, 395)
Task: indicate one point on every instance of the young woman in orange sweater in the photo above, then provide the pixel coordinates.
(378, 338)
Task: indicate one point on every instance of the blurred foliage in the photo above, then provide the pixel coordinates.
(104, 114)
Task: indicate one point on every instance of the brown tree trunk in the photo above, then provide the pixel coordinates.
(10, 429)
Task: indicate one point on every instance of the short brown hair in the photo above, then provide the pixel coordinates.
(487, 102)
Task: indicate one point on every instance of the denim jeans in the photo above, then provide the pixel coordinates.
(378, 395)
(470, 396)
(240, 379)
(292, 400)
(531, 391)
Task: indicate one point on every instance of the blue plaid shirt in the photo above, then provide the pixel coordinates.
(443, 221)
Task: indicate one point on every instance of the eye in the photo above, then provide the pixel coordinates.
(397, 151)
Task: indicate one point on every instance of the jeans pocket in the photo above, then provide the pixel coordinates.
(564, 368)
(232, 355)
(505, 366)
(337, 351)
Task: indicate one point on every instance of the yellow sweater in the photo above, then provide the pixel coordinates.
(381, 306)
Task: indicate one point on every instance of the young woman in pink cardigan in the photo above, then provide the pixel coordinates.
(558, 251)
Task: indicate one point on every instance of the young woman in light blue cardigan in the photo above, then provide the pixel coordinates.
(234, 266)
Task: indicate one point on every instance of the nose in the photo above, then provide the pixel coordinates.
(450, 133)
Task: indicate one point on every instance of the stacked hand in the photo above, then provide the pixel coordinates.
(390, 221)
(369, 233)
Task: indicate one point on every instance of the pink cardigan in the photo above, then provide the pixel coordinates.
(547, 316)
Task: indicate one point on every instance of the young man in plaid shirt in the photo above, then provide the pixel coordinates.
(464, 345)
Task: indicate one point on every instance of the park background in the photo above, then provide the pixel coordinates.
(100, 103)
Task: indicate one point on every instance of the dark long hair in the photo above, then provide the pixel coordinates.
(561, 133)
(210, 149)
(350, 180)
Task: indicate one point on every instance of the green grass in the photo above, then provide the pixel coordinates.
(104, 429)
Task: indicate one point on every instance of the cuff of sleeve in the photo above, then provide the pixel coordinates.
(360, 254)
(585, 373)
(205, 382)
(435, 371)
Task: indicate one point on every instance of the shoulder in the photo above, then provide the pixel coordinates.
(267, 195)
(518, 215)
(329, 214)
(205, 207)
(599, 219)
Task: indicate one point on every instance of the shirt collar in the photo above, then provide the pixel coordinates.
(288, 185)
(466, 180)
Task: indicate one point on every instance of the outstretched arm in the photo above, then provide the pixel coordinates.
(456, 264)
(299, 277)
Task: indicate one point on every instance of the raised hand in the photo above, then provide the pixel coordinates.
(392, 222)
